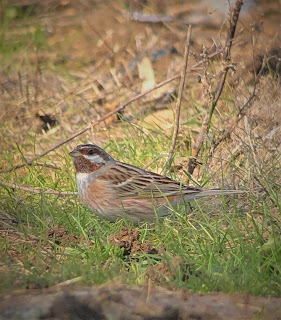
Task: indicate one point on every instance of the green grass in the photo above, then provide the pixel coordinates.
(222, 241)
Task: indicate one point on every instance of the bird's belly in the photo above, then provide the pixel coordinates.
(99, 196)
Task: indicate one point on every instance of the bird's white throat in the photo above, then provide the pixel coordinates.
(83, 180)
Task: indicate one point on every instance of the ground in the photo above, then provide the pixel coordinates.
(64, 66)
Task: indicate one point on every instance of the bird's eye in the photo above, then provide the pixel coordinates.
(91, 151)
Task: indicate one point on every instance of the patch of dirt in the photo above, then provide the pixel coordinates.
(145, 247)
(129, 240)
(15, 241)
(60, 236)
(161, 273)
(18, 248)
(21, 250)
(164, 271)
(167, 271)
(117, 301)
(13, 236)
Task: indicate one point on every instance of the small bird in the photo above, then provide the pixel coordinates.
(114, 189)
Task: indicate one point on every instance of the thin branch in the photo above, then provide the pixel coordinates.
(264, 189)
(234, 14)
(234, 123)
(108, 115)
(178, 102)
(6, 215)
(46, 165)
(36, 190)
(95, 123)
(67, 282)
(210, 56)
(226, 58)
(242, 111)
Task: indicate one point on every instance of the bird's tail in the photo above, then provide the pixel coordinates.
(216, 192)
(209, 193)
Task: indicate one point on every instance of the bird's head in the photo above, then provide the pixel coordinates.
(89, 158)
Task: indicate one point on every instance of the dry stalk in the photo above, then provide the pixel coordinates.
(179, 99)
(210, 56)
(20, 84)
(108, 115)
(46, 165)
(257, 166)
(5, 215)
(264, 188)
(226, 60)
(242, 111)
(91, 125)
(234, 123)
(37, 190)
(67, 282)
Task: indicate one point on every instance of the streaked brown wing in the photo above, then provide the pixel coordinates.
(130, 181)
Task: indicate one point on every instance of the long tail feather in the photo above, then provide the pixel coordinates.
(211, 192)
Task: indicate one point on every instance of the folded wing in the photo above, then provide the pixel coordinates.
(130, 181)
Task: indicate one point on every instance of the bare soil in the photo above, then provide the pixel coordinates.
(128, 239)
(117, 301)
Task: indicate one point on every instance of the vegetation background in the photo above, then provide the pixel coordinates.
(66, 64)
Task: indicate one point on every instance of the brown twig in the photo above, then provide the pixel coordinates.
(6, 215)
(95, 31)
(36, 190)
(88, 127)
(234, 123)
(264, 189)
(46, 165)
(67, 282)
(178, 102)
(122, 107)
(242, 111)
(210, 56)
(234, 14)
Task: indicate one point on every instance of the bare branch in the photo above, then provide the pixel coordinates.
(46, 165)
(95, 123)
(178, 102)
(242, 110)
(234, 14)
(37, 190)
(108, 115)
(234, 123)
(210, 56)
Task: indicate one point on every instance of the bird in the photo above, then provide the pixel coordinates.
(114, 189)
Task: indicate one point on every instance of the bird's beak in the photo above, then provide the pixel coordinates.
(74, 153)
